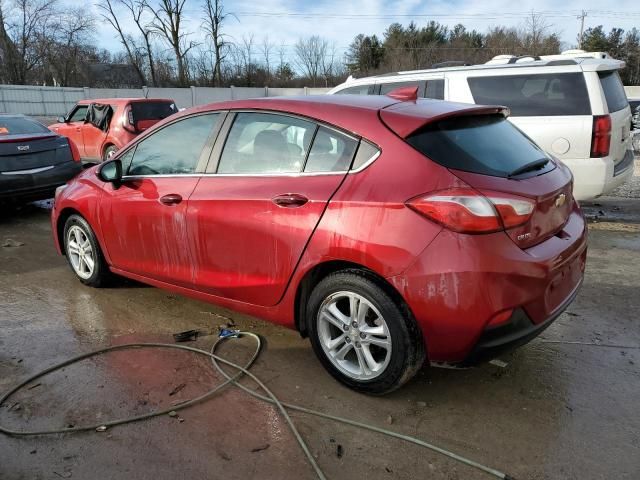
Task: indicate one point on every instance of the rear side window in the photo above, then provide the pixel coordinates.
(538, 95)
(357, 90)
(435, 89)
(613, 91)
(331, 152)
(20, 126)
(152, 110)
(485, 144)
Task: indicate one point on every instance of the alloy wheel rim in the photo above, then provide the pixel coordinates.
(80, 252)
(354, 335)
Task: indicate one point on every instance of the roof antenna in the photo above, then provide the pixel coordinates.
(404, 94)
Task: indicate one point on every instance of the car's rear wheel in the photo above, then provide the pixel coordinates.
(364, 338)
(109, 152)
(83, 252)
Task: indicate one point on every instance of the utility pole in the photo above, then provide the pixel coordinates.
(581, 17)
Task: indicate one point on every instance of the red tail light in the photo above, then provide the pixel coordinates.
(601, 136)
(466, 210)
(75, 153)
(128, 121)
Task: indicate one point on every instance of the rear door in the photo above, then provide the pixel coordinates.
(144, 222)
(618, 107)
(252, 216)
(551, 108)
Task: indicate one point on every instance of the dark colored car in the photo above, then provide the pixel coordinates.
(101, 127)
(391, 231)
(33, 160)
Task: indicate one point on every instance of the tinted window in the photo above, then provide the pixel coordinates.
(487, 144)
(534, 95)
(79, 114)
(152, 110)
(266, 143)
(613, 91)
(389, 87)
(366, 151)
(331, 152)
(435, 89)
(20, 125)
(357, 90)
(174, 149)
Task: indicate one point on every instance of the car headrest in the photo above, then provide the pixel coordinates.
(269, 140)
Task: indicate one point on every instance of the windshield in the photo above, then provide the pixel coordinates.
(485, 144)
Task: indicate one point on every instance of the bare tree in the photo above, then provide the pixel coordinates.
(310, 56)
(109, 14)
(214, 18)
(266, 48)
(137, 9)
(535, 32)
(167, 22)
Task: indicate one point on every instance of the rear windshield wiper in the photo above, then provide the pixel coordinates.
(529, 167)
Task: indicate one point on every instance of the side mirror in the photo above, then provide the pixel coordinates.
(111, 172)
(61, 120)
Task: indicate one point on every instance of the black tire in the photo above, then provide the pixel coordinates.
(407, 355)
(101, 275)
(109, 152)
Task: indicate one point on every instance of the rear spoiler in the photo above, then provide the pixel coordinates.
(406, 118)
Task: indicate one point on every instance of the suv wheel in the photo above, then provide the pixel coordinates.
(361, 335)
(83, 252)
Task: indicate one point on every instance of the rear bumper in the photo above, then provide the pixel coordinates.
(594, 177)
(23, 187)
(518, 331)
(461, 282)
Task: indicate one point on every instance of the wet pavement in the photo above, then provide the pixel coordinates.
(566, 406)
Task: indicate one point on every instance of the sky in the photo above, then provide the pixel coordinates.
(283, 22)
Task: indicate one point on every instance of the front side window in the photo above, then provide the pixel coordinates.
(331, 152)
(539, 95)
(265, 143)
(357, 90)
(79, 114)
(175, 149)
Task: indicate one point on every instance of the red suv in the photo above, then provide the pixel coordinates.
(390, 231)
(101, 127)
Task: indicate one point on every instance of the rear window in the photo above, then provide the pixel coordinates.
(152, 110)
(485, 144)
(613, 90)
(20, 126)
(538, 95)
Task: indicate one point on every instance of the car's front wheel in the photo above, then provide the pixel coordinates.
(83, 252)
(362, 336)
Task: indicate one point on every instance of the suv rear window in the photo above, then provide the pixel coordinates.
(485, 144)
(152, 110)
(537, 95)
(613, 90)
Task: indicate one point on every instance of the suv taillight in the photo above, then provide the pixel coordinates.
(129, 123)
(466, 210)
(601, 136)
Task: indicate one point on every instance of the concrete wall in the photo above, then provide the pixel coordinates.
(54, 101)
(632, 91)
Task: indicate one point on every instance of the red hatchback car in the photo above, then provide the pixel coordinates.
(391, 231)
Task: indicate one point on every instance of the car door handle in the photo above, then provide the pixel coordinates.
(290, 200)
(171, 199)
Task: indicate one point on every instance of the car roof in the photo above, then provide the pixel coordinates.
(123, 100)
(353, 112)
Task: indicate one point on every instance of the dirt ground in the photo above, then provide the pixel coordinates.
(566, 406)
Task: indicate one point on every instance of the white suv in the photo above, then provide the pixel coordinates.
(573, 105)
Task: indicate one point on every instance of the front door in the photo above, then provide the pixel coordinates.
(250, 221)
(144, 221)
(73, 127)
